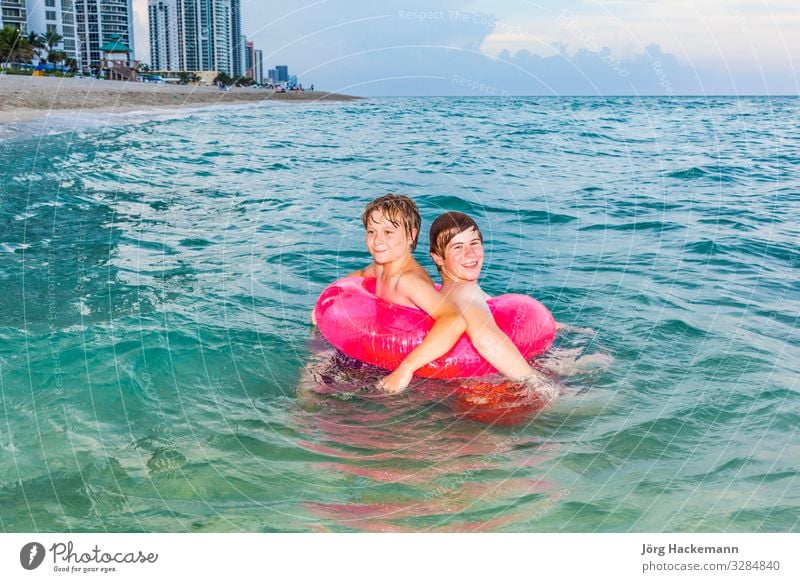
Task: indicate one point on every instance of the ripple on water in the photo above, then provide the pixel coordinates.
(158, 274)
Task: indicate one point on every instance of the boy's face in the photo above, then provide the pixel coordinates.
(385, 241)
(463, 257)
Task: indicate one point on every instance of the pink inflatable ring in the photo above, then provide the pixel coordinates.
(367, 328)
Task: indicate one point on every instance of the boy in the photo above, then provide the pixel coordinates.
(457, 249)
(392, 224)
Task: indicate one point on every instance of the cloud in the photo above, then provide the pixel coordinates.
(402, 47)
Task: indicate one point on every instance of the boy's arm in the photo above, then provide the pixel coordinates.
(448, 327)
(488, 339)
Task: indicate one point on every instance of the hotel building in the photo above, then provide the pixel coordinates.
(195, 35)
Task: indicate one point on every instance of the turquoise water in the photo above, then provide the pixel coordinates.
(157, 276)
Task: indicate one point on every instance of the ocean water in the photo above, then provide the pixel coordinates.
(158, 367)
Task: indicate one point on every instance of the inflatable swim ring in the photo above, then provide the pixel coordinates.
(370, 329)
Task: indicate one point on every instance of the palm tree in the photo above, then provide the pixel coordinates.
(14, 47)
(36, 42)
(51, 39)
(56, 57)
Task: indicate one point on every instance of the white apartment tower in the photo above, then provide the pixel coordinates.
(13, 13)
(194, 35)
(96, 22)
(167, 51)
(55, 16)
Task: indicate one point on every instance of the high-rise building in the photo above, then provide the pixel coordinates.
(194, 35)
(249, 61)
(165, 41)
(97, 22)
(223, 39)
(236, 35)
(13, 13)
(259, 67)
(55, 16)
(281, 74)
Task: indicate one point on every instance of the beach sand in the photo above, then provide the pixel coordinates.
(24, 98)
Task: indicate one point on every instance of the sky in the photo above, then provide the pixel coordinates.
(522, 47)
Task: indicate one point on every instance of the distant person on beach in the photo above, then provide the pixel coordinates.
(456, 245)
(392, 224)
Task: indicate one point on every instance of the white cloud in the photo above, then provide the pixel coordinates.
(708, 33)
(339, 43)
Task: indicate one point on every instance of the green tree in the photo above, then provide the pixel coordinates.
(56, 57)
(187, 77)
(36, 42)
(14, 47)
(223, 78)
(51, 38)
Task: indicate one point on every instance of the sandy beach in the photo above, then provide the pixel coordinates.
(24, 98)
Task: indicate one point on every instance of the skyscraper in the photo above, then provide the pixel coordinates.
(165, 41)
(13, 13)
(259, 66)
(97, 21)
(236, 35)
(194, 35)
(249, 61)
(54, 16)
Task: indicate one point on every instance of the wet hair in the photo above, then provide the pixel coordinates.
(398, 209)
(448, 226)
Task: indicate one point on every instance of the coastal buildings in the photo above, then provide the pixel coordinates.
(165, 40)
(259, 66)
(97, 21)
(46, 16)
(43, 16)
(249, 59)
(13, 13)
(196, 35)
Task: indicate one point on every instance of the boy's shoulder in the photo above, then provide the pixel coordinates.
(467, 292)
(414, 272)
(412, 279)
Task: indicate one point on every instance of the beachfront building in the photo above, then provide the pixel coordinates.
(237, 67)
(97, 21)
(13, 13)
(281, 74)
(195, 35)
(167, 52)
(249, 60)
(241, 60)
(55, 16)
(259, 66)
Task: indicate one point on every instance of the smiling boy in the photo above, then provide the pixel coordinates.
(456, 246)
(392, 223)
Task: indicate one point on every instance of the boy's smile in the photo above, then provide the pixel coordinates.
(463, 258)
(385, 241)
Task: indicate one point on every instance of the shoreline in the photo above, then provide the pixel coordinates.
(24, 98)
